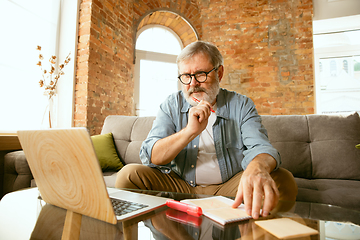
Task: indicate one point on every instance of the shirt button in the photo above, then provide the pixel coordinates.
(191, 182)
(192, 166)
(194, 146)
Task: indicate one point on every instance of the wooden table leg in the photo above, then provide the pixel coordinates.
(72, 226)
(130, 231)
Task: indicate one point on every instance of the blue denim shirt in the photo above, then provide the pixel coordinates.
(239, 135)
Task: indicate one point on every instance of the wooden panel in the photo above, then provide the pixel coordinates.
(67, 172)
(9, 141)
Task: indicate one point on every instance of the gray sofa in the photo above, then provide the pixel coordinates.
(318, 149)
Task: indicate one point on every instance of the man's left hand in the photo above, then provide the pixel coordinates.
(257, 189)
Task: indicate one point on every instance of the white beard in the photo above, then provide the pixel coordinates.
(210, 95)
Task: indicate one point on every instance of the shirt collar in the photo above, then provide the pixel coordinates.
(186, 106)
(222, 105)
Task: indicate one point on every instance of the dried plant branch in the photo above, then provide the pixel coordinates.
(50, 79)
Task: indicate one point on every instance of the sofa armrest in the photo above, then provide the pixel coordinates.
(17, 174)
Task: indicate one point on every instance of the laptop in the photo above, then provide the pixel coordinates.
(68, 175)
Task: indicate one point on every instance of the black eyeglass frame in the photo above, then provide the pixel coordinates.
(194, 75)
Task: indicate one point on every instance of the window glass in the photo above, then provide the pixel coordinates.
(25, 24)
(158, 39)
(155, 85)
(340, 84)
(337, 70)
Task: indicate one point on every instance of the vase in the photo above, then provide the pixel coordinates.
(49, 113)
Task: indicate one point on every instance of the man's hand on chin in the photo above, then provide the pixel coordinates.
(257, 189)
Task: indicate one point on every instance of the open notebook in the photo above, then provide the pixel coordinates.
(68, 175)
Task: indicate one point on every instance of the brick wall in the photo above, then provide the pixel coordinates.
(267, 47)
(268, 51)
(104, 82)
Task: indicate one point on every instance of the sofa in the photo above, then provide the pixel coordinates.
(319, 150)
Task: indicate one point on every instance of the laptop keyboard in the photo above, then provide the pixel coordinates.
(122, 207)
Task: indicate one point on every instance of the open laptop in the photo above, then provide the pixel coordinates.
(68, 175)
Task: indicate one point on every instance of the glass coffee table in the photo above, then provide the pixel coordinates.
(24, 216)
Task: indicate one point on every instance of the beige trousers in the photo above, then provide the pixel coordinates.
(138, 176)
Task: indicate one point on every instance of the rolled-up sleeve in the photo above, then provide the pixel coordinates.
(163, 126)
(255, 136)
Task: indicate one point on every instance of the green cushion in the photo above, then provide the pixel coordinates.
(106, 152)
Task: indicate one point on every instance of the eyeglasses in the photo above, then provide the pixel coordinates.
(200, 77)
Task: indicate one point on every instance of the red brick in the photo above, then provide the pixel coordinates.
(271, 40)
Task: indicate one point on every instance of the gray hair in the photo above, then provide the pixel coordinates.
(209, 49)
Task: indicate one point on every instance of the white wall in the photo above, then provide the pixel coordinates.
(325, 9)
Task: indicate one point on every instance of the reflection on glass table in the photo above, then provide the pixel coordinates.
(24, 216)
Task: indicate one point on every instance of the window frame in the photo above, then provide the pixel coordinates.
(67, 42)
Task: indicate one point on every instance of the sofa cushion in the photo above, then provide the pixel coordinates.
(106, 152)
(129, 132)
(344, 193)
(290, 136)
(333, 140)
(317, 146)
(110, 179)
(17, 174)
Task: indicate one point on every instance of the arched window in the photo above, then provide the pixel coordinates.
(155, 68)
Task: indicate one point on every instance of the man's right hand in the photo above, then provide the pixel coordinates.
(166, 149)
(198, 118)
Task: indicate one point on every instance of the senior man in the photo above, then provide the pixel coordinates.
(208, 140)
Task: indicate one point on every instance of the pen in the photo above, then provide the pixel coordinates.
(197, 100)
(184, 207)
